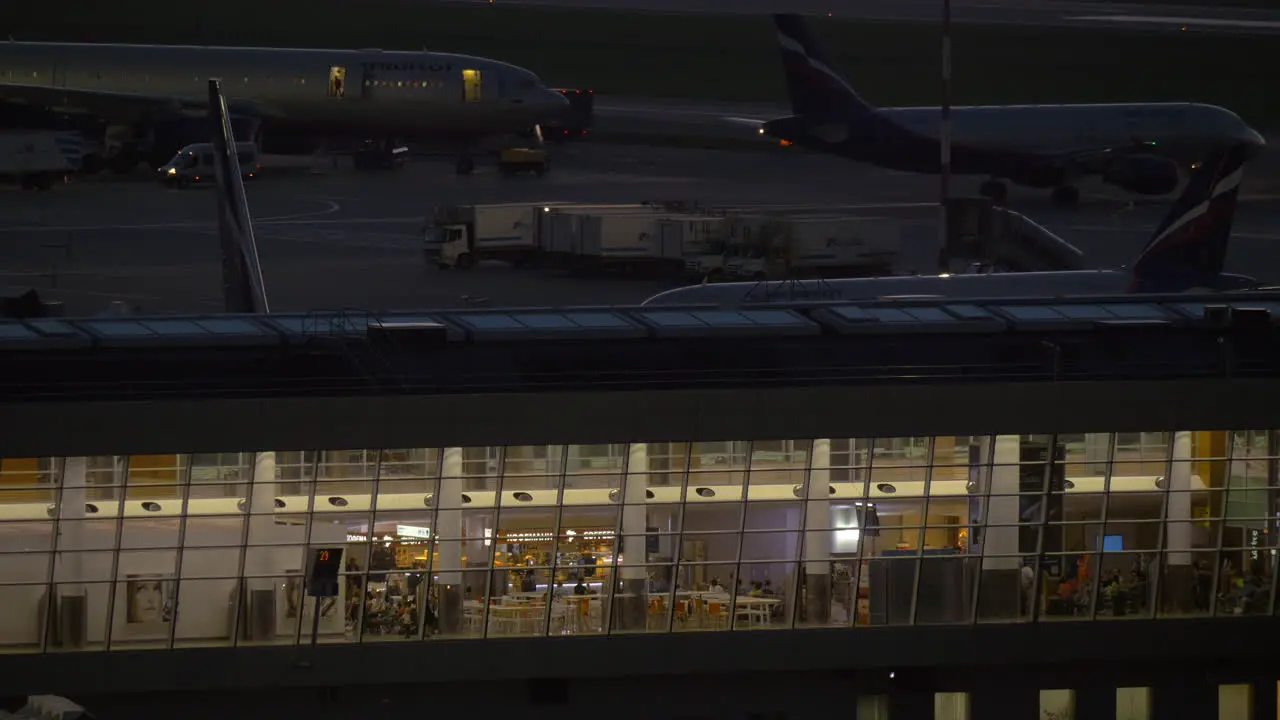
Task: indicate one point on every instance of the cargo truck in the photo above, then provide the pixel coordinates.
(459, 236)
(40, 159)
(630, 241)
(773, 248)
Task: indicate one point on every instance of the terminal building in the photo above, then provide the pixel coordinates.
(900, 510)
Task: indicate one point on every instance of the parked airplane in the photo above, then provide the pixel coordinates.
(1139, 147)
(146, 95)
(1185, 253)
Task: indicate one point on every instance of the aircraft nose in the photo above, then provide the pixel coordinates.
(555, 100)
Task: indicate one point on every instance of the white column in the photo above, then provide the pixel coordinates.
(1133, 703)
(817, 536)
(873, 707)
(1097, 452)
(951, 706)
(262, 523)
(1000, 534)
(449, 517)
(1235, 702)
(1178, 517)
(71, 544)
(1059, 703)
(817, 515)
(635, 513)
(448, 526)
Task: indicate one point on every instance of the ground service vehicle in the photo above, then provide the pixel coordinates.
(513, 161)
(461, 236)
(576, 121)
(769, 248)
(40, 159)
(624, 240)
(194, 164)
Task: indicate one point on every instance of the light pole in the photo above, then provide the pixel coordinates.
(944, 136)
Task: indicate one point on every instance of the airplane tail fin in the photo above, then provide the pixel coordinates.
(243, 288)
(1189, 247)
(814, 86)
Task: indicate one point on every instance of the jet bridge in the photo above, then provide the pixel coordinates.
(978, 231)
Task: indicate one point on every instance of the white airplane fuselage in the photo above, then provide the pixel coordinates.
(397, 91)
(1065, 283)
(1181, 131)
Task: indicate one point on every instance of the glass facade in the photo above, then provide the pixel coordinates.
(159, 551)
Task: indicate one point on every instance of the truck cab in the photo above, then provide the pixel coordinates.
(706, 258)
(457, 246)
(460, 236)
(194, 164)
(753, 250)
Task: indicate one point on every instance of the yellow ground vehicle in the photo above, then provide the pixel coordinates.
(517, 160)
(530, 155)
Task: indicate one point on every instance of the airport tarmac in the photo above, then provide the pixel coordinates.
(338, 239)
(1174, 18)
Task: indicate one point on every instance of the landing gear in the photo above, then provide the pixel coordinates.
(1067, 195)
(995, 190)
(385, 154)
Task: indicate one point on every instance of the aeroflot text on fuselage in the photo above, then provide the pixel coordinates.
(408, 67)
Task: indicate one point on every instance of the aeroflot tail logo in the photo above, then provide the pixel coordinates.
(813, 75)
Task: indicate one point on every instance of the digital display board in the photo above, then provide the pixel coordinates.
(323, 567)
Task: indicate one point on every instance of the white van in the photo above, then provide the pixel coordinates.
(194, 163)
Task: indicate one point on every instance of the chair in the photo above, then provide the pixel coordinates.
(716, 615)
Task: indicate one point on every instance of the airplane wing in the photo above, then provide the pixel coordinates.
(1097, 160)
(745, 122)
(121, 106)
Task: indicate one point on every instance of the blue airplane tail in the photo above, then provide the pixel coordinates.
(814, 86)
(1189, 247)
(243, 288)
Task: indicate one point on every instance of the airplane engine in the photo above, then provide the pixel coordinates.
(1144, 175)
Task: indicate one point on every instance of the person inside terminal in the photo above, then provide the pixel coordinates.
(158, 551)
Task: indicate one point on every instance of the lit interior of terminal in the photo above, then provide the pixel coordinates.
(158, 551)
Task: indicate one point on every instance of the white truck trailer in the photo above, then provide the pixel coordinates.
(40, 159)
(459, 236)
(821, 246)
(644, 241)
